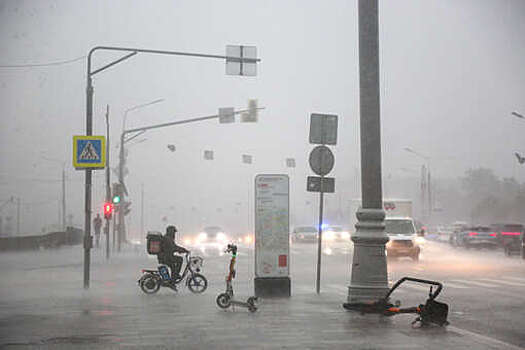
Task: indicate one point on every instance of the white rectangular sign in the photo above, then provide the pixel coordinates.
(272, 226)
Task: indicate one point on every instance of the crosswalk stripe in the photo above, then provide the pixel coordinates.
(475, 283)
(504, 282)
(448, 284)
(514, 278)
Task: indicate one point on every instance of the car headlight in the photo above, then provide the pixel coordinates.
(221, 237)
(420, 240)
(329, 235)
(202, 237)
(187, 241)
(345, 235)
(248, 239)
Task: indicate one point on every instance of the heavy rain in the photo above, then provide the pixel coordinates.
(242, 174)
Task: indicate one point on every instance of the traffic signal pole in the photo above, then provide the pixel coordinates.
(88, 240)
(129, 52)
(121, 228)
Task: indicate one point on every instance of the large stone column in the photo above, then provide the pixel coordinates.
(369, 272)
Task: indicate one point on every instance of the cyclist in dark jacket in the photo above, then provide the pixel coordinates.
(168, 248)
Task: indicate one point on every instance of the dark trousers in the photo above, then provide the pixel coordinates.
(174, 262)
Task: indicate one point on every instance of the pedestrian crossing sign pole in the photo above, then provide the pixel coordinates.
(89, 152)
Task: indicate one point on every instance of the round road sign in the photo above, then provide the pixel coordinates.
(321, 160)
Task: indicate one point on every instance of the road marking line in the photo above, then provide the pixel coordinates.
(447, 284)
(503, 282)
(514, 278)
(416, 287)
(500, 344)
(475, 283)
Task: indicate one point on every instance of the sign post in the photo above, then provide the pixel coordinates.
(272, 231)
(89, 153)
(323, 131)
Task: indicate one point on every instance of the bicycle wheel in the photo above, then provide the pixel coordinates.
(197, 283)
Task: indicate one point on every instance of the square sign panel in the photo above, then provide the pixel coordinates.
(323, 129)
(290, 162)
(226, 115)
(208, 155)
(318, 184)
(247, 159)
(89, 152)
(235, 65)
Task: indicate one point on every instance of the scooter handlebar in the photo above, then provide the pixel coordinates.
(418, 280)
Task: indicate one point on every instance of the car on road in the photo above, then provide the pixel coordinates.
(335, 233)
(404, 242)
(475, 237)
(510, 237)
(304, 234)
(211, 240)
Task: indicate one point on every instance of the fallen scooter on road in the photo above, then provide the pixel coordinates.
(432, 312)
(226, 299)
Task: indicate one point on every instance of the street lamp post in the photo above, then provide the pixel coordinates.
(121, 232)
(518, 115)
(369, 280)
(426, 189)
(63, 216)
(238, 61)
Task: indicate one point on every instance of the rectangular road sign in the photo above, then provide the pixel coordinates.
(226, 115)
(89, 152)
(323, 129)
(313, 184)
(235, 65)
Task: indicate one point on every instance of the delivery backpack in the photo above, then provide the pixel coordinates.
(154, 243)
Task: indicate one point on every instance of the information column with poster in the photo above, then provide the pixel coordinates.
(272, 231)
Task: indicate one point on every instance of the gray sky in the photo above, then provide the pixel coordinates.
(451, 73)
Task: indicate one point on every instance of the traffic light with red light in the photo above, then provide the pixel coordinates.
(108, 210)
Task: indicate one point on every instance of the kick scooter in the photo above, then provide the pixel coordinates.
(432, 312)
(225, 300)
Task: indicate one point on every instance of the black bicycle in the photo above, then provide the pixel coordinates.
(151, 280)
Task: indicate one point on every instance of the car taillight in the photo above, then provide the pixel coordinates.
(493, 234)
(511, 233)
(472, 233)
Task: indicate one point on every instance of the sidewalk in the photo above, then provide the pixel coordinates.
(47, 308)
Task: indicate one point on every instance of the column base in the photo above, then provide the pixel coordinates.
(369, 270)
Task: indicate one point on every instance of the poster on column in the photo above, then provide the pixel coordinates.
(272, 223)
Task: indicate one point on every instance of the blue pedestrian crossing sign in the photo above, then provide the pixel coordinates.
(89, 152)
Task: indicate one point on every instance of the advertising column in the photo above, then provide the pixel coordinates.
(272, 243)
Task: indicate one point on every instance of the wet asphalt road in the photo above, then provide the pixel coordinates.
(43, 304)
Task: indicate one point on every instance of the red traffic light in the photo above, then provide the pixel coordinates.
(108, 210)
